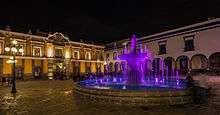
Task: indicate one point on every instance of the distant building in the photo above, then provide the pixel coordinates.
(194, 48)
(43, 56)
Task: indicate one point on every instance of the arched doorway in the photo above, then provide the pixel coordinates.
(88, 67)
(123, 67)
(156, 66)
(115, 55)
(169, 63)
(182, 64)
(98, 68)
(198, 63)
(37, 68)
(19, 69)
(76, 67)
(116, 67)
(214, 63)
(111, 68)
(148, 68)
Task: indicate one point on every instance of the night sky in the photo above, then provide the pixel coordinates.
(104, 21)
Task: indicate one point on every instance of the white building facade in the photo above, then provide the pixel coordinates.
(194, 48)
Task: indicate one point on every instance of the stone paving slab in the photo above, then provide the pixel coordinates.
(57, 98)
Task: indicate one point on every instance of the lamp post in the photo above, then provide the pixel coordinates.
(14, 48)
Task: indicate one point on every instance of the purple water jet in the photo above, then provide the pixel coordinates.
(135, 63)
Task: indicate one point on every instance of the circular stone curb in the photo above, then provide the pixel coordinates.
(134, 98)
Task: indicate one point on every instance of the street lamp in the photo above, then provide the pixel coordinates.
(14, 48)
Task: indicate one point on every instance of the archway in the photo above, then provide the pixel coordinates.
(88, 67)
(214, 62)
(116, 66)
(115, 55)
(156, 66)
(169, 63)
(198, 63)
(182, 64)
(111, 67)
(123, 67)
(148, 68)
(76, 68)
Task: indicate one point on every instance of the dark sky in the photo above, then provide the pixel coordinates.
(104, 20)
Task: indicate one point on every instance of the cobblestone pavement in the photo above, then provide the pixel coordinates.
(57, 98)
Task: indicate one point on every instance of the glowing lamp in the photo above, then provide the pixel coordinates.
(7, 49)
(13, 49)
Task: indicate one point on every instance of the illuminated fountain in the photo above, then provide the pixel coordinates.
(136, 87)
(135, 73)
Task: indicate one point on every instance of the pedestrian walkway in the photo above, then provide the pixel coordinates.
(55, 97)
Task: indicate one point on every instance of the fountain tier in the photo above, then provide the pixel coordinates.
(135, 71)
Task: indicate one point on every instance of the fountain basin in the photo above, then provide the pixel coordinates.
(147, 96)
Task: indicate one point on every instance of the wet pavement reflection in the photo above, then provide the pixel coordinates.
(57, 97)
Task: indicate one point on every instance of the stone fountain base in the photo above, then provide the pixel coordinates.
(134, 98)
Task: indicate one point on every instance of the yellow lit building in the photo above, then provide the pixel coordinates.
(44, 55)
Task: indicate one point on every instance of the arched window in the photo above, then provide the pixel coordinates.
(115, 55)
(37, 51)
(88, 56)
(76, 54)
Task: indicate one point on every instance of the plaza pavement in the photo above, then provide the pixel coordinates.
(55, 97)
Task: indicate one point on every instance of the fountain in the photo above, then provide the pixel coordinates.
(134, 87)
(135, 63)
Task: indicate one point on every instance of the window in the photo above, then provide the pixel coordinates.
(98, 56)
(189, 43)
(22, 48)
(36, 51)
(107, 55)
(115, 56)
(58, 53)
(88, 56)
(76, 55)
(162, 47)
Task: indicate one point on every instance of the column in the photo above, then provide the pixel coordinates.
(93, 67)
(50, 69)
(68, 67)
(7, 68)
(102, 67)
(28, 67)
(45, 66)
(82, 67)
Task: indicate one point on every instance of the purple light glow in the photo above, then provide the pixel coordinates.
(167, 70)
(162, 69)
(114, 79)
(135, 72)
(177, 77)
(156, 80)
(173, 72)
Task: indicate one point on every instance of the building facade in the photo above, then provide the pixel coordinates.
(44, 56)
(194, 48)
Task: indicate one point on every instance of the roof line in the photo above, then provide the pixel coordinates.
(181, 33)
(41, 37)
(23, 34)
(181, 28)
